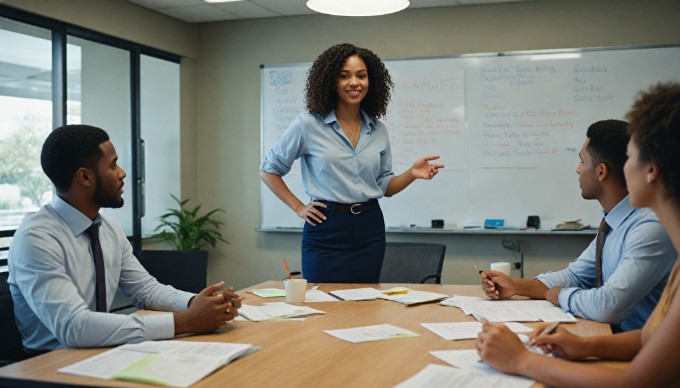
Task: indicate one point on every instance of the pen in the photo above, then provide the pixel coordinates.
(548, 330)
(285, 266)
(480, 272)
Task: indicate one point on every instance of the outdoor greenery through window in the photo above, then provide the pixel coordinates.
(25, 119)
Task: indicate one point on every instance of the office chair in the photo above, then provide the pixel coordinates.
(513, 245)
(11, 349)
(413, 262)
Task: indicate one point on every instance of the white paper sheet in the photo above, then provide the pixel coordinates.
(414, 297)
(440, 376)
(467, 330)
(173, 363)
(357, 293)
(516, 311)
(371, 333)
(316, 295)
(275, 311)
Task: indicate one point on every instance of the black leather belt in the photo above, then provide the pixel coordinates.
(354, 208)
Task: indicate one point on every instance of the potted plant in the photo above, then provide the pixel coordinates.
(188, 232)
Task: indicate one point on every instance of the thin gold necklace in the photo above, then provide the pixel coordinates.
(353, 135)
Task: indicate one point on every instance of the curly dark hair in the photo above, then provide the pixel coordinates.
(608, 143)
(655, 130)
(321, 88)
(69, 148)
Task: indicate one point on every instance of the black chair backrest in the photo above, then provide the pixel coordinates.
(11, 349)
(413, 262)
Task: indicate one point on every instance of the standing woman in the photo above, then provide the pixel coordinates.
(653, 179)
(346, 166)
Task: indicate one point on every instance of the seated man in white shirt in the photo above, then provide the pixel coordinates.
(59, 299)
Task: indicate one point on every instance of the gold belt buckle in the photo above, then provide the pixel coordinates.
(355, 212)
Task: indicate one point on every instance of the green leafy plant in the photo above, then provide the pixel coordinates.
(184, 229)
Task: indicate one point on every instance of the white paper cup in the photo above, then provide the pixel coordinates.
(502, 266)
(295, 290)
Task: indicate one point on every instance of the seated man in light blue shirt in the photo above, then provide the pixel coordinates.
(636, 257)
(53, 262)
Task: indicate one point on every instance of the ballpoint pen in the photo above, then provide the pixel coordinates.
(548, 330)
(480, 272)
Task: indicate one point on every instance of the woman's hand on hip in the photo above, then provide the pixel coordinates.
(311, 214)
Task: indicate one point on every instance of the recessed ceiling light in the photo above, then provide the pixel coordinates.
(357, 7)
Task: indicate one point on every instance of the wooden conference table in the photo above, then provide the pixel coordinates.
(299, 353)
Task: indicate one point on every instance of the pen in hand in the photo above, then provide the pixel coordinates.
(548, 330)
(480, 272)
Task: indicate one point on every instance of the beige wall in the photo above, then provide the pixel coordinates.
(221, 98)
(229, 105)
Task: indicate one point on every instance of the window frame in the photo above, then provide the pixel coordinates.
(60, 32)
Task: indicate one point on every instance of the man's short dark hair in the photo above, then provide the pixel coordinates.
(69, 148)
(608, 143)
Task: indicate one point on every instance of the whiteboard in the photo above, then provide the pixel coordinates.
(508, 127)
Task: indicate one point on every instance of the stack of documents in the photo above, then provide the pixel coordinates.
(312, 295)
(460, 300)
(357, 294)
(570, 225)
(511, 310)
(275, 311)
(173, 363)
(413, 297)
(269, 292)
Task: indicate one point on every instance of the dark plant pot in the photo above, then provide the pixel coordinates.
(184, 270)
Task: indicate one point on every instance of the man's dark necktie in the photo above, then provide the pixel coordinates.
(599, 244)
(93, 232)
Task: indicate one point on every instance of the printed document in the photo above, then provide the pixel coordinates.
(316, 295)
(173, 363)
(413, 297)
(357, 293)
(371, 333)
(275, 311)
(467, 330)
(436, 376)
(511, 310)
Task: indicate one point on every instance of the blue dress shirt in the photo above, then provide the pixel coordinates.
(332, 169)
(52, 280)
(636, 259)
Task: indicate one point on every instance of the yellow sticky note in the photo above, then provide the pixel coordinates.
(396, 290)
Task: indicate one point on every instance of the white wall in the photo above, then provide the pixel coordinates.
(220, 88)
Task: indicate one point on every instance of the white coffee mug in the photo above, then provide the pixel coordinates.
(502, 266)
(295, 290)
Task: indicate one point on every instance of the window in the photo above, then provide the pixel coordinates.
(25, 119)
(160, 131)
(98, 80)
(53, 73)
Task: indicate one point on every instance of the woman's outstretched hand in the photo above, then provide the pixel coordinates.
(423, 169)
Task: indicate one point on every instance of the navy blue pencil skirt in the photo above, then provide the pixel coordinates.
(346, 248)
